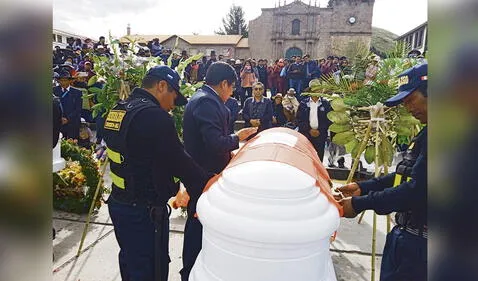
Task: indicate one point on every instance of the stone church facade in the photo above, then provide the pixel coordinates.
(291, 29)
(299, 29)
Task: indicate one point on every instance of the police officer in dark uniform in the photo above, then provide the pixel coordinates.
(145, 155)
(404, 192)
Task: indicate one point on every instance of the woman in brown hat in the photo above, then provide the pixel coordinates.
(278, 116)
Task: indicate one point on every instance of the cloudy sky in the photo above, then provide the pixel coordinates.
(94, 18)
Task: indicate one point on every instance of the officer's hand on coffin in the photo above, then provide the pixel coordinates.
(351, 189)
(349, 211)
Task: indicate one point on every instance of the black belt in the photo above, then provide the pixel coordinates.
(420, 232)
(127, 198)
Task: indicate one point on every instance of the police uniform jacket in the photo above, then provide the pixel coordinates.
(409, 196)
(155, 155)
(206, 130)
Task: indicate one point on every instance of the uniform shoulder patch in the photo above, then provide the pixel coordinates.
(114, 119)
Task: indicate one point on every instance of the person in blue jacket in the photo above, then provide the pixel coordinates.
(403, 192)
(312, 70)
(208, 140)
(257, 111)
(71, 103)
(313, 122)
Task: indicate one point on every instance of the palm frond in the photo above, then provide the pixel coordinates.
(400, 50)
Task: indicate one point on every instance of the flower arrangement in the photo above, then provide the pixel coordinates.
(74, 186)
(125, 71)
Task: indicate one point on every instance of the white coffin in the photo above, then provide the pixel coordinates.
(266, 220)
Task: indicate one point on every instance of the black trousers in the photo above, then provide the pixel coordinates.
(404, 257)
(192, 244)
(139, 244)
(319, 145)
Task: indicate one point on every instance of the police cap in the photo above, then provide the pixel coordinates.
(171, 77)
(410, 80)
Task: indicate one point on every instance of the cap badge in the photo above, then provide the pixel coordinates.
(403, 80)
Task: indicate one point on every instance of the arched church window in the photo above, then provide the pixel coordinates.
(296, 27)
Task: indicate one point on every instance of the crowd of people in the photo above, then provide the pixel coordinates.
(266, 94)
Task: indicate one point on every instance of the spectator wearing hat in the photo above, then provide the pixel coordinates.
(81, 83)
(202, 68)
(291, 105)
(100, 50)
(81, 65)
(313, 122)
(86, 136)
(212, 59)
(57, 56)
(88, 68)
(257, 111)
(278, 116)
(71, 102)
(68, 66)
(156, 47)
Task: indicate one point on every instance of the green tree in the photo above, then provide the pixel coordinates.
(234, 23)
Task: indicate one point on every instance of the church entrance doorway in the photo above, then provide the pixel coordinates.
(294, 51)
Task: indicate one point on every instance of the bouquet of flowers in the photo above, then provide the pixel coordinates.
(74, 186)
